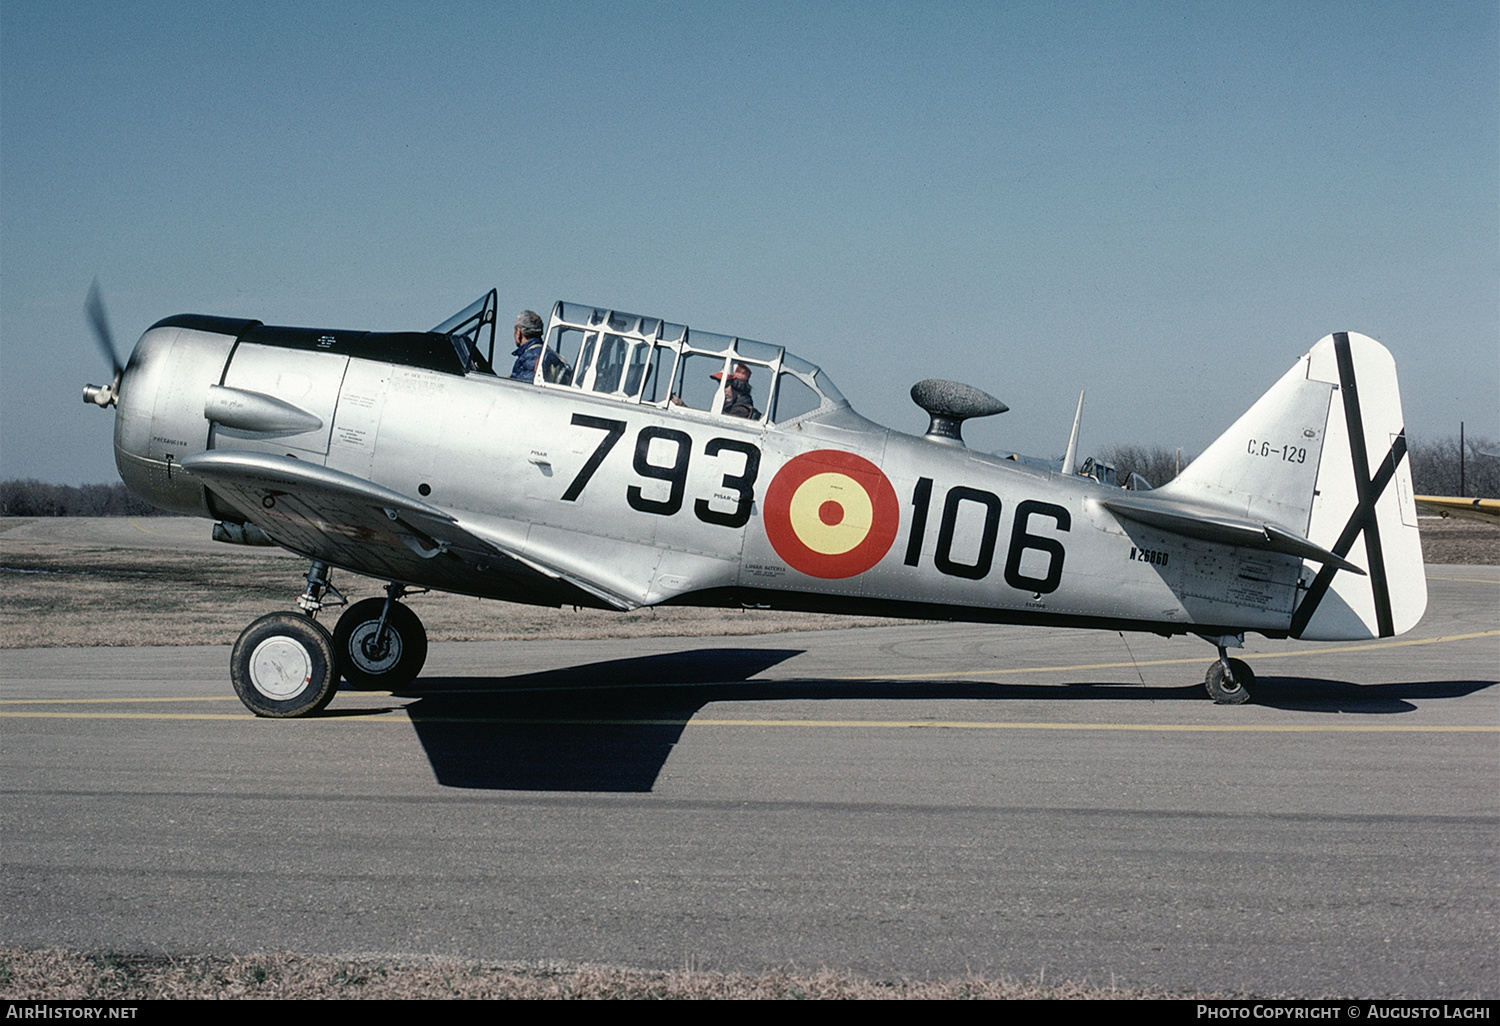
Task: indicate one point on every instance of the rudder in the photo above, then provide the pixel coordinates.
(1362, 503)
(1322, 455)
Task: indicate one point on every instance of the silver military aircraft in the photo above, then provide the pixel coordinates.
(646, 463)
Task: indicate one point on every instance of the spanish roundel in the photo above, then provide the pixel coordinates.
(831, 514)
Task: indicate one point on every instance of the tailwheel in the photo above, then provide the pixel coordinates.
(380, 644)
(283, 665)
(1230, 681)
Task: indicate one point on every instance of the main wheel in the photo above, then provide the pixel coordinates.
(1232, 688)
(369, 659)
(283, 665)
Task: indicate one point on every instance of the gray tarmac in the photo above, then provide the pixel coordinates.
(902, 801)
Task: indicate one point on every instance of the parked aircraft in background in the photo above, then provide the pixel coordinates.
(1099, 470)
(1484, 510)
(617, 477)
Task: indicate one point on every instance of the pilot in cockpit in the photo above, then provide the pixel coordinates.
(737, 399)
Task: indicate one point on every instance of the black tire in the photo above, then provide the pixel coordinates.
(1232, 688)
(283, 665)
(365, 665)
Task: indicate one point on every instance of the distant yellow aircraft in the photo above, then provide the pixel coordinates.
(1484, 510)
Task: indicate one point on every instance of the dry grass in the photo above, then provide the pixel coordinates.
(67, 975)
(1460, 541)
(55, 594)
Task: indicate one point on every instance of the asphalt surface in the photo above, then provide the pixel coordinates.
(910, 801)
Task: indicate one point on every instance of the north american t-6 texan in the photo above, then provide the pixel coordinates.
(638, 462)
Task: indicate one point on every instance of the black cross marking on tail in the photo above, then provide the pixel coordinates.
(1362, 521)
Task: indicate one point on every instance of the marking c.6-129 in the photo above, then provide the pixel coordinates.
(1288, 453)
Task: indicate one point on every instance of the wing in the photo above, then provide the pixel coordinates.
(1484, 510)
(356, 524)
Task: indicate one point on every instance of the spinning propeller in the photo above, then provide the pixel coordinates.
(104, 395)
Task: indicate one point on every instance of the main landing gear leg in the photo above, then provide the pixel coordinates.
(1229, 681)
(380, 642)
(284, 664)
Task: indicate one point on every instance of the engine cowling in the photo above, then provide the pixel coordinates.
(159, 410)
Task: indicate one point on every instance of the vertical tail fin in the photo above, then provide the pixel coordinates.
(1322, 455)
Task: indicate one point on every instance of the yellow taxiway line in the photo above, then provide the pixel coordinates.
(45, 715)
(127, 701)
(984, 725)
(1247, 656)
(394, 715)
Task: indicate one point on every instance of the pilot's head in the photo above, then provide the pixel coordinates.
(739, 378)
(528, 326)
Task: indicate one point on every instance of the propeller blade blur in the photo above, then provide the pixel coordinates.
(94, 307)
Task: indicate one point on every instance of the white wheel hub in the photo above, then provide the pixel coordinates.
(280, 668)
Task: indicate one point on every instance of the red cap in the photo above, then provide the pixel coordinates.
(740, 373)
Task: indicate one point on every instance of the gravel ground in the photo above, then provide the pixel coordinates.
(75, 976)
(1452, 540)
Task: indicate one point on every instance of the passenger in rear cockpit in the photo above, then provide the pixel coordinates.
(530, 348)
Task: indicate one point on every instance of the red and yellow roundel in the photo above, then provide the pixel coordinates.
(831, 514)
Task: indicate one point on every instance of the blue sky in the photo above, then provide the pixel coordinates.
(1165, 204)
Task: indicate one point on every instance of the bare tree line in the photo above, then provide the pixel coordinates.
(1156, 464)
(1434, 470)
(1435, 465)
(32, 498)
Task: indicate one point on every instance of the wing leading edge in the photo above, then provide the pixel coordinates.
(1486, 511)
(356, 524)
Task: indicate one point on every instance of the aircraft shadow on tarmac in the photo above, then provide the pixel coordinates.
(605, 726)
(1312, 694)
(610, 726)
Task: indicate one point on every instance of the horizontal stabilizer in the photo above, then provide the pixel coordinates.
(1211, 525)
